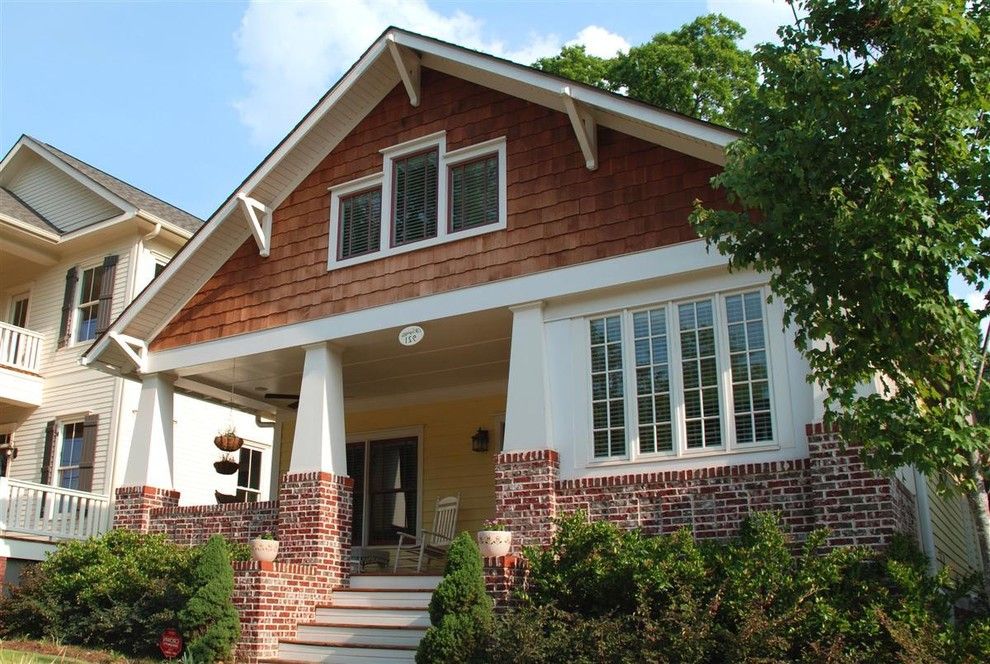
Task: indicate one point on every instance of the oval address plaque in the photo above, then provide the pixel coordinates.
(412, 335)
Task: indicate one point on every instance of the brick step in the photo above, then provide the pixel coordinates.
(380, 597)
(400, 635)
(315, 651)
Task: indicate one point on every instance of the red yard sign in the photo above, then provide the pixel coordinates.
(170, 643)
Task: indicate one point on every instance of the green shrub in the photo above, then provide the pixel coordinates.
(209, 620)
(117, 591)
(460, 611)
(759, 598)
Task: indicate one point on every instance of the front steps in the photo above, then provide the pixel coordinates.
(380, 619)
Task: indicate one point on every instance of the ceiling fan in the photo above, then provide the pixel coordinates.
(279, 396)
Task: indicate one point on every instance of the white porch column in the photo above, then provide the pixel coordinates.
(319, 443)
(151, 456)
(527, 410)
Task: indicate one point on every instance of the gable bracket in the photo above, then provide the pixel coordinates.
(261, 229)
(409, 68)
(585, 128)
(135, 349)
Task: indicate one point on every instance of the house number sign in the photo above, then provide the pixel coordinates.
(412, 335)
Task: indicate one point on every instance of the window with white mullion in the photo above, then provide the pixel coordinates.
(653, 381)
(607, 387)
(749, 370)
(699, 375)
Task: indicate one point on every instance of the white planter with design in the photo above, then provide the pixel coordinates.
(494, 543)
(264, 550)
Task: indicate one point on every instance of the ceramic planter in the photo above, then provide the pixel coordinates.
(494, 543)
(264, 550)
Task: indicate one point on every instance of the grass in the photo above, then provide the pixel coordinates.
(21, 657)
(47, 652)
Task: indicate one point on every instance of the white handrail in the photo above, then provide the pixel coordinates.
(38, 509)
(20, 348)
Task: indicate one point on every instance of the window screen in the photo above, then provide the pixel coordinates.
(474, 193)
(360, 223)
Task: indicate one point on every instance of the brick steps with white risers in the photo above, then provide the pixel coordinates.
(379, 619)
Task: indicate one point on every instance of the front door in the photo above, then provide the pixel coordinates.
(386, 477)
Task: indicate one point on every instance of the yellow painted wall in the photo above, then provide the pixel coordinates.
(449, 466)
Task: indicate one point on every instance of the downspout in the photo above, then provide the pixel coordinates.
(925, 519)
(153, 234)
(276, 452)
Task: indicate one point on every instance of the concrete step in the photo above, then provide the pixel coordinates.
(361, 598)
(354, 634)
(394, 582)
(388, 617)
(297, 650)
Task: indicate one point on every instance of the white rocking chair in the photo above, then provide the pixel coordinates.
(432, 543)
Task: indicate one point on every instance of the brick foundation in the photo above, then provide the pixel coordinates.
(503, 576)
(3, 574)
(273, 598)
(134, 505)
(526, 496)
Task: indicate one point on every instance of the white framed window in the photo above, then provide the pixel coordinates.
(680, 378)
(88, 303)
(424, 196)
(249, 475)
(70, 455)
(18, 311)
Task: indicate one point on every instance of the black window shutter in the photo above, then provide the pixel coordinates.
(106, 293)
(68, 304)
(87, 462)
(48, 460)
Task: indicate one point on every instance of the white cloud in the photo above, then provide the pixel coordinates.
(292, 52)
(599, 41)
(761, 18)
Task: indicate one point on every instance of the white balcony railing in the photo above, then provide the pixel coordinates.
(38, 509)
(19, 348)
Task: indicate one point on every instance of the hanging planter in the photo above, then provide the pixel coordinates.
(228, 441)
(226, 498)
(226, 465)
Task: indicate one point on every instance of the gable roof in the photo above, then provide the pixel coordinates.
(357, 92)
(118, 193)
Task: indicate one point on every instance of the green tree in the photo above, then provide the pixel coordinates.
(864, 176)
(209, 620)
(698, 69)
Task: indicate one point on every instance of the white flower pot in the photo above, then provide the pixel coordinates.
(264, 550)
(494, 543)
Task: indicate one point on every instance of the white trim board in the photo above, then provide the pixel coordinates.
(652, 264)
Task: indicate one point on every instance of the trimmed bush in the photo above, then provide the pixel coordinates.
(760, 598)
(460, 611)
(209, 620)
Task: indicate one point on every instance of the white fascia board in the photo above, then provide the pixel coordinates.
(718, 136)
(40, 233)
(86, 181)
(606, 273)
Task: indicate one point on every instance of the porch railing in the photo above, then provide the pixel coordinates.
(38, 509)
(19, 348)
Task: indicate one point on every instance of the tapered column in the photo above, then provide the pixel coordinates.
(319, 445)
(527, 410)
(151, 456)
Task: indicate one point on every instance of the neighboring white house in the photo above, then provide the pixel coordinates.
(76, 246)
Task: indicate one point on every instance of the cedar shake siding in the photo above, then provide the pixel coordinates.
(559, 214)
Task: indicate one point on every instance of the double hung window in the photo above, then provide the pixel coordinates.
(88, 309)
(70, 456)
(425, 195)
(680, 378)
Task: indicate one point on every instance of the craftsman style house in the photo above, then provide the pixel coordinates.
(76, 245)
(458, 276)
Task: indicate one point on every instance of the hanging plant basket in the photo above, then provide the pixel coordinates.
(228, 442)
(226, 466)
(225, 498)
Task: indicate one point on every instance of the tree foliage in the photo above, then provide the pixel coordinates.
(864, 174)
(209, 619)
(698, 69)
(460, 609)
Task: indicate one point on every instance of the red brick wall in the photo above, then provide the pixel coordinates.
(272, 600)
(525, 495)
(134, 504)
(315, 512)
(559, 214)
(239, 522)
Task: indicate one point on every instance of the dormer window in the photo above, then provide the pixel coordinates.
(424, 196)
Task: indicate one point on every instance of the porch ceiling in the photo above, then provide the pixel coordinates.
(460, 350)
